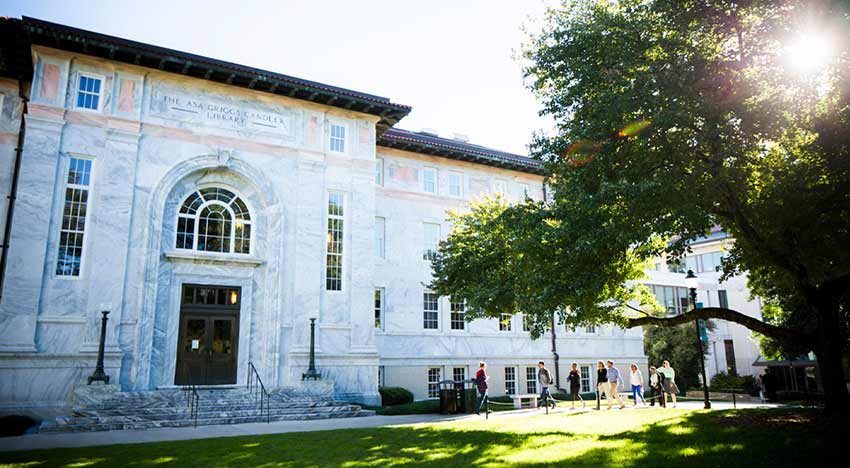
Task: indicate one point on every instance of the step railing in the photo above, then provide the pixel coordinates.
(190, 392)
(258, 390)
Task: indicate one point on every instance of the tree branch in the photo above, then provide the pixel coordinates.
(780, 333)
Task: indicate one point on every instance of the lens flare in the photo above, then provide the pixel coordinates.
(809, 53)
(581, 152)
(633, 128)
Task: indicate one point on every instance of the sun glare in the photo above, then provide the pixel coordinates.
(810, 54)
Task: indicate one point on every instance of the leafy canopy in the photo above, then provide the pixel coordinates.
(672, 117)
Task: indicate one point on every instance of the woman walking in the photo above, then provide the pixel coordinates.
(575, 385)
(669, 380)
(481, 383)
(601, 381)
(636, 379)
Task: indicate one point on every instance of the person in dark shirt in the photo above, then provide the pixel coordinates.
(601, 379)
(575, 385)
(481, 383)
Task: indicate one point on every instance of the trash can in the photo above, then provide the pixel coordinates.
(448, 397)
(470, 396)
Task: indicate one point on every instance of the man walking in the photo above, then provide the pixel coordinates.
(613, 384)
(544, 378)
(481, 383)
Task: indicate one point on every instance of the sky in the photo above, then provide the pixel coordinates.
(452, 61)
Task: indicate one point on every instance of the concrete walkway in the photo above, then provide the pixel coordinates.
(85, 439)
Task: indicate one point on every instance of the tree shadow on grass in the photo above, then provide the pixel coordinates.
(700, 439)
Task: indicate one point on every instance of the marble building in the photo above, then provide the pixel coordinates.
(214, 208)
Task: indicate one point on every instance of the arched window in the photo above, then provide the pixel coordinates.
(214, 220)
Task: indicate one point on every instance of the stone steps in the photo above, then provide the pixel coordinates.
(121, 415)
(169, 408)
(187, 422)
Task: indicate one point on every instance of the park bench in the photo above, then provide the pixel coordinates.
(528, 396)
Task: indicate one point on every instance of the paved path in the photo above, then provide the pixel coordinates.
(84, 439)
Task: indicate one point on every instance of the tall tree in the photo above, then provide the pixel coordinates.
(674, 116)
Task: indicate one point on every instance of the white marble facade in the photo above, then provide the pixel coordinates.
(154, 139)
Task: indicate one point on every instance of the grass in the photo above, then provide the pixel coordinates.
(625, 438)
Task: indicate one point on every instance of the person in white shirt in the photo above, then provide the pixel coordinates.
(636, 379)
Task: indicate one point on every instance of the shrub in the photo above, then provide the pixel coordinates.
(746, 383)
(395, 396)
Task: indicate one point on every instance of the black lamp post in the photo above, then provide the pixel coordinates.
(311, 373)
(692, 282)
(99, 374)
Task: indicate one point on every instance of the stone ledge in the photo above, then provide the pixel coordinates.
(206, 257)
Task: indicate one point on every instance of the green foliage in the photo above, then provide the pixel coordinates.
(673, 118)
(395, 396)
(746, 383)
(677, 345)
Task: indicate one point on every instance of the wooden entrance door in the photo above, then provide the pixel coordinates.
(209, 335)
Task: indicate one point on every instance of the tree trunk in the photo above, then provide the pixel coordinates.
(829, 352)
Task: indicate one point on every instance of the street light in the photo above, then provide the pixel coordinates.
(691, 282)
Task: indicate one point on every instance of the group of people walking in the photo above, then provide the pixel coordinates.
(662, 382)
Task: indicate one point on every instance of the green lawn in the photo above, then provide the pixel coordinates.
(626, 438)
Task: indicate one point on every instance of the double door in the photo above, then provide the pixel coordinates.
(208, 336)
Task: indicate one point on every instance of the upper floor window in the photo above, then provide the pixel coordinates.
(74, 215)
(523, 192)
(458, 310)
(337, 138)
(455, 188)
(214, 219)
(500, 187)
(88, 92)
(429, 180)
(430, 311)
(674, 299)
(379, 172)
(432, 240)
(505, 322)
(379, 308)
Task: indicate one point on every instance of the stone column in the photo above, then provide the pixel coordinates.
(110, 225)
(30, 228)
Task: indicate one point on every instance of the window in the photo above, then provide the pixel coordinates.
(674, 299)
(381, 376)
(531, 380)
(500, 187)
(214, 219)
(380, 232)
(723, 298)
(88, 92)
(429, 180)
(707, 262)
(526, 323)
(433, 382)
(505, 322)
(455, 188)
(590, 329)
(458, 309)
(510, 380)
(523, 191)
(74, 215)
(379, 308)
(432, 239)
(379, 172)
(731, 368)
(459, 374)
(337, 138)
(585, 378)
(333, 260)
(431, 311)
